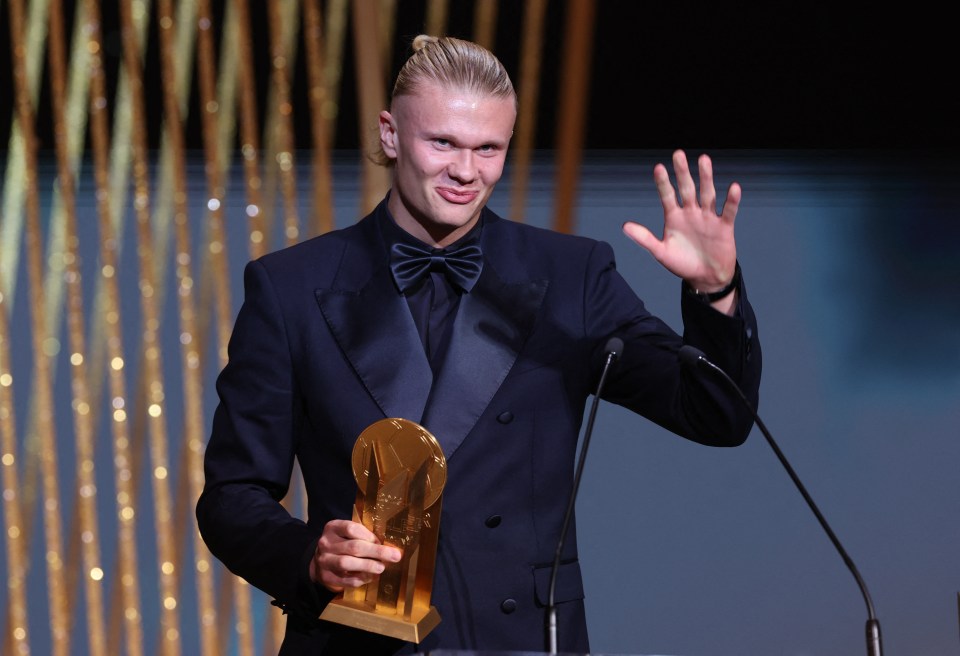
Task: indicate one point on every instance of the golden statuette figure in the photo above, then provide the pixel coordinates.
(400, 472)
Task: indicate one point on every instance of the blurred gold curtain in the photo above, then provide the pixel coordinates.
(160, 138)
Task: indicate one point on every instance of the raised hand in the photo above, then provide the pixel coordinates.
(698, 243)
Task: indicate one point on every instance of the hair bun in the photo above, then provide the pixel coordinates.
(422, 40)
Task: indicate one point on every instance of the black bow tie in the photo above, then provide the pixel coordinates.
(410, 264)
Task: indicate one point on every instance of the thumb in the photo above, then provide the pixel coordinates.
(643, 237)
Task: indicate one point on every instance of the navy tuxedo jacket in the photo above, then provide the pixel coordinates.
(325, 345)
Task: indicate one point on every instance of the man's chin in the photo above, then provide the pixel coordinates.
(448, 227)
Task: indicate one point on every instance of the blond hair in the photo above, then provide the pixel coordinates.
(451, 63)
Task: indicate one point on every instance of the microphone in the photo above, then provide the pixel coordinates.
(613, 350)
(693, 358)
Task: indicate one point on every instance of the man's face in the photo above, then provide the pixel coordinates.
(449, 148)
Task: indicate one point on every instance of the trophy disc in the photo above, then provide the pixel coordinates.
(402, 444)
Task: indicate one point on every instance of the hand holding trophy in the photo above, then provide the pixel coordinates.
(400, 472)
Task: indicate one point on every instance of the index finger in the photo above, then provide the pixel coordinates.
(668, 197)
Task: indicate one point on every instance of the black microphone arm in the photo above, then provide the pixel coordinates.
(694, 358)
(613, 349)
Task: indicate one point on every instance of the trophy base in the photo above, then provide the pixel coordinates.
(415, 629)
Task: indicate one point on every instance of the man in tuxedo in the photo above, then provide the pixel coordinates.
(490, 334)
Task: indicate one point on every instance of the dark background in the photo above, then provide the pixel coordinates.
(724, 75)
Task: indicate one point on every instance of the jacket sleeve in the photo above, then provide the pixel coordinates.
(649, 378)
(249, 457)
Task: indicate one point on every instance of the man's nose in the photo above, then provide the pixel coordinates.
(463, 166)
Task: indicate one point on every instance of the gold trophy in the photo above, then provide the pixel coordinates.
(400, 472)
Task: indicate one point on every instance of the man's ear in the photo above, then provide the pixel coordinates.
(388, 134)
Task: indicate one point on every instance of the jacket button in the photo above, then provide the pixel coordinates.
(505, 417)
(493, 521)
(508, 606)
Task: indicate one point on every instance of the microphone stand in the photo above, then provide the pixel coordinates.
(614, 349)
(691, 355)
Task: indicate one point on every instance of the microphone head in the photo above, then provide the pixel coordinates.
(614, 347)
(691, 356)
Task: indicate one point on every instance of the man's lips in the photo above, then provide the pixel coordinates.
(455, 196)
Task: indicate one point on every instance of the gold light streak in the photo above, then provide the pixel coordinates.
(436, 21)
(386, 13)
(249, 137)
(371, 91)
(75, 117)
(218, 140)
(53, 280)
(119, 426)
(116, 189)
(335, 36)
(282, 19)
(86, 478)
(166, 203)
(485, 22)
(162, 200)
(128, 452)
(192, 451)
(272, 147)
(571, 119)
(227, 84)
(521, 148)
(152, 374)
(69, 98)
(216, 247)
(216, 254)
(18, 633)
(250, 156)
(42, 391)
(282, 26)
(322, 175)
(32, 44)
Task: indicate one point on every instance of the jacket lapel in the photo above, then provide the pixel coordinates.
(491, 326)
(373, 327)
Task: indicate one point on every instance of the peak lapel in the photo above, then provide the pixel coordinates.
(372, 325)
(491, 326)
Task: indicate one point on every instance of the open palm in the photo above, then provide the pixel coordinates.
(698, 243)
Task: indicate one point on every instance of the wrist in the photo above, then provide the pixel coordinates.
(714, 296)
